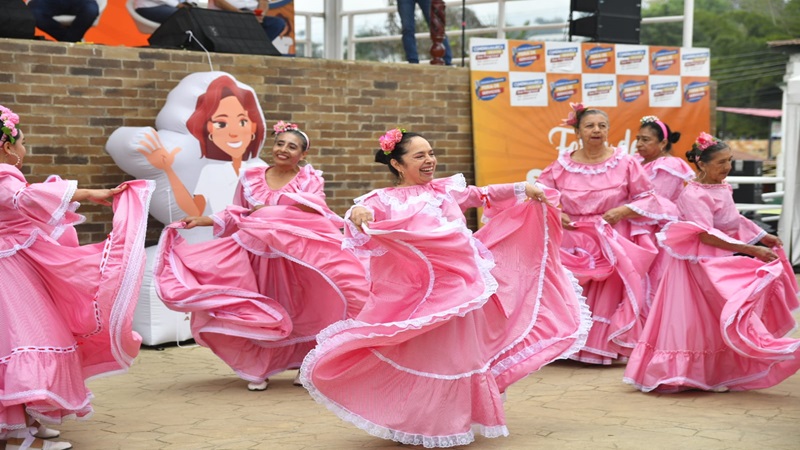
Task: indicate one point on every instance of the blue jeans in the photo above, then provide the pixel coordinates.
(158, 13)
(85, 12)
(272, 25)
(405, 9)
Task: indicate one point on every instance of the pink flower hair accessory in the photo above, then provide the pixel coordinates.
(572, 117)
(390, 139)
(657, 121)
(282, 127)
(703, 142)
(8, 125)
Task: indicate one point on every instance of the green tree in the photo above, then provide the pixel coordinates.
(747, 73)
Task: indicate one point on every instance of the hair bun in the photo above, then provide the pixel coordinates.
(382, 157)
(674, 137)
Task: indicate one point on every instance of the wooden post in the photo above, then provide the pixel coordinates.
(437, 32)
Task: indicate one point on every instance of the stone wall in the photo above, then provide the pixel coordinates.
(71, 97)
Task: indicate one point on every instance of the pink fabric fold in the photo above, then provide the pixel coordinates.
(718, 321)
(65, 311)
(611, 262)
(452, 319)
(260, 293)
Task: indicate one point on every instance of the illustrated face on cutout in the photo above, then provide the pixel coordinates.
(230, 127)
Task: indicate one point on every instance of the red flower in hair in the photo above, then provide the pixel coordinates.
(390, 139)
(572, 118)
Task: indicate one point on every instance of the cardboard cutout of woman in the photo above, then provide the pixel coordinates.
(210, 129)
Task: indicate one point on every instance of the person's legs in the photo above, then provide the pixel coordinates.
(43, 13)
(405, 9)
(425, 5)
(85, 12)
(273, 26)
(158, 14)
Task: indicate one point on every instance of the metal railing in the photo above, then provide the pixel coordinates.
(757, 207)
(352, 40)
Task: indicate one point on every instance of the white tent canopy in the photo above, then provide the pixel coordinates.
(789, 225)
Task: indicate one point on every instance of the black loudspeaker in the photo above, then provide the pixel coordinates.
(18, 21)
(630, 8)
(217, 31)
(747, 193)
(612, 21)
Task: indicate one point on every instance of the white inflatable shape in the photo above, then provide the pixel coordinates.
(205, 100)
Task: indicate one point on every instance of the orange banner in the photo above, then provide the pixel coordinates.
(521, 91)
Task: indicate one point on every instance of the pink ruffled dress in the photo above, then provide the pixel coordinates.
(611, 262)
(668, 174)
(274, 278)
(718, 320)
(66, 310)
(452, 318)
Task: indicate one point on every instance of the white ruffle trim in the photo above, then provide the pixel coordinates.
(649, 215)
(66, 202)
(658, 165)
(17, 247)
(131, 281)
(661, 237)
(590, 169)
(219, 225)
(453, 440)
(684, 383)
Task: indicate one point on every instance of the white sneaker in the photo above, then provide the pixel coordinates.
(258, 386)
(46, 433)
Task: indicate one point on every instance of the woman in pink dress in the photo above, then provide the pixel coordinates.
(654, 145)
(452, 318)
(668, 175)
(65, 310)
(719, 318)
(603, 192)
(277, 274)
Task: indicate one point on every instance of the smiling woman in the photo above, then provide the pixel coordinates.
(276, 276)
(451, 319)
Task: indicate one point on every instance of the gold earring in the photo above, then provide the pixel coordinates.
(19, 161)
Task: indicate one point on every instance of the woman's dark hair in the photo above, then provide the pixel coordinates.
(671, 137)
(695, 154)
(398, 152)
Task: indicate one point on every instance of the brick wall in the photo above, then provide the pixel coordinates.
(71, 97)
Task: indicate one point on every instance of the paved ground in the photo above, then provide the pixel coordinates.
(185, 398)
